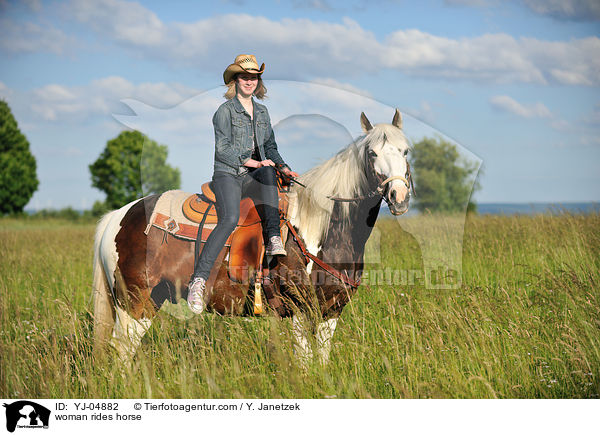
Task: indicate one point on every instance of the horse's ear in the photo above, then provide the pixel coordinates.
(397, 121)
(364, 122)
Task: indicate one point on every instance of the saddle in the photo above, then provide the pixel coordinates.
(183, 215)
(245, 244)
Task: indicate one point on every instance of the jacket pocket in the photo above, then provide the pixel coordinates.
(238, 128)
(261, 131)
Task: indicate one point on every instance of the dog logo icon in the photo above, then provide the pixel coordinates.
(26, 414)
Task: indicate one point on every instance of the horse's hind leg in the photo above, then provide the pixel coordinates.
(129, 327)
(104, 315)
(128, 333)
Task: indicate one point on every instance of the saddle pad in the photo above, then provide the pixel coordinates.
(168, 216)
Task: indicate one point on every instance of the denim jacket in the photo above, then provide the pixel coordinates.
(234, 140)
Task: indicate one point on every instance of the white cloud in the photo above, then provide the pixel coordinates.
(55, 92)
(506, 103)
(31, 37)
(581, 10)
(55, 102)
(497, 58)
(127, 22)
(303, 48)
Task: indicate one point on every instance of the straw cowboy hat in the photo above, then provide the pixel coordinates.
(243, 63)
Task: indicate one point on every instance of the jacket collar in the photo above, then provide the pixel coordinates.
(237, 105)
(240, 109)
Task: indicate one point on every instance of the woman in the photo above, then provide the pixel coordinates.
(245, 156)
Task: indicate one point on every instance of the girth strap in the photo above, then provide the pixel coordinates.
(329, 269)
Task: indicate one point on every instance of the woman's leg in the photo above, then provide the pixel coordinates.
(261, 185)
(228, 192)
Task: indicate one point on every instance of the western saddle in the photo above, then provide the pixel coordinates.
(246, 242)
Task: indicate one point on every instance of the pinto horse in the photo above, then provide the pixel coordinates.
(332, 211)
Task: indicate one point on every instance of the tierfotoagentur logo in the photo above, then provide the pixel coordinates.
(24, 414)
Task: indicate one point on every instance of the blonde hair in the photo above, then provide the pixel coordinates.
(260, 92)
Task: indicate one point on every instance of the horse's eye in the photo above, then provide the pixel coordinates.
(372, 154)
(405, 153)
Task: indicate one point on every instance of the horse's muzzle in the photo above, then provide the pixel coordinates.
(399, 208)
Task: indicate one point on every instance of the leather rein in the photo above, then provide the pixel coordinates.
(326, 267)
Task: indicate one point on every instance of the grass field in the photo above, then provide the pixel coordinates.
(524, 324)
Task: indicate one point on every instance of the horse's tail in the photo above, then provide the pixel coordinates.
(104, 312)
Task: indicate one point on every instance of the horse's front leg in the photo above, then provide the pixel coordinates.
(322, 339)
(325, 332)
(302, 347)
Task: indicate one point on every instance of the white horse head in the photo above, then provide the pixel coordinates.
(387, 152)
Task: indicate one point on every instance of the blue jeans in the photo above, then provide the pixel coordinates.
(261, 185)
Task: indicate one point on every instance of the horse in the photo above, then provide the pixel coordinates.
(332, 211)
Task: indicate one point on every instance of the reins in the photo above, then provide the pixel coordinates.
(326, 267)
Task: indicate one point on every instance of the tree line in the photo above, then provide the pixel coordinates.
(133, 165)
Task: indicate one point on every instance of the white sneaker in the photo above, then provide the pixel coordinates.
(275, 246)
(195, 298)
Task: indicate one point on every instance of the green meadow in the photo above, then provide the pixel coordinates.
(524, 323)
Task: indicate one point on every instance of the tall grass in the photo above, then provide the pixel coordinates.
(525, 323)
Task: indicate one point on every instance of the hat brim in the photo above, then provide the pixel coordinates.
(234, 69)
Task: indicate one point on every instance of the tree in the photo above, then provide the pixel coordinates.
(443, 181)
(18, 178)
(131, 166)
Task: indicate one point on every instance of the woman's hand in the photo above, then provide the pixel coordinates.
(256, 164)
(289, 173)
(266, 163)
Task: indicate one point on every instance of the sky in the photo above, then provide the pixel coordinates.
(514, 84)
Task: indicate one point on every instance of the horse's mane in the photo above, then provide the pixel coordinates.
(343, 175)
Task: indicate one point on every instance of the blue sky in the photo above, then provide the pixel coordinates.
(515, 83)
